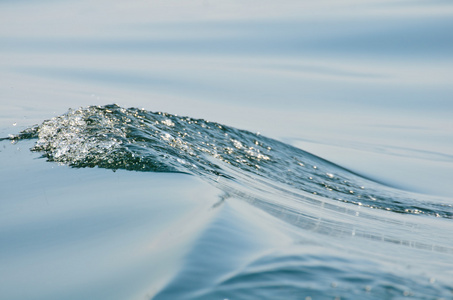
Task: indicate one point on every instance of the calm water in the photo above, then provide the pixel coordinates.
(211, 195)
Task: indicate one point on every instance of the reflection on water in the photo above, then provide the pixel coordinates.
(365, 84)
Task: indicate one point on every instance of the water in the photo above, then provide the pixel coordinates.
(113, 137)
(213, 198)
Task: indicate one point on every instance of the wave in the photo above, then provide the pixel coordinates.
(276, 276)
(237, 161)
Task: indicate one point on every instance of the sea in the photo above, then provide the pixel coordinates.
(226, 150)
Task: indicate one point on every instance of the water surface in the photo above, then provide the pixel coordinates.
(256, 150)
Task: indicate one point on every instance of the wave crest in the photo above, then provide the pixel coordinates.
(113, 137)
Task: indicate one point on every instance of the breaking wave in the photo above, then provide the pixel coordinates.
(238, 161)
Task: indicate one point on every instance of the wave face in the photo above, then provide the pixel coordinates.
(113, 137)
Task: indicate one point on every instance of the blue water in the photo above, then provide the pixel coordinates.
(256, 150)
